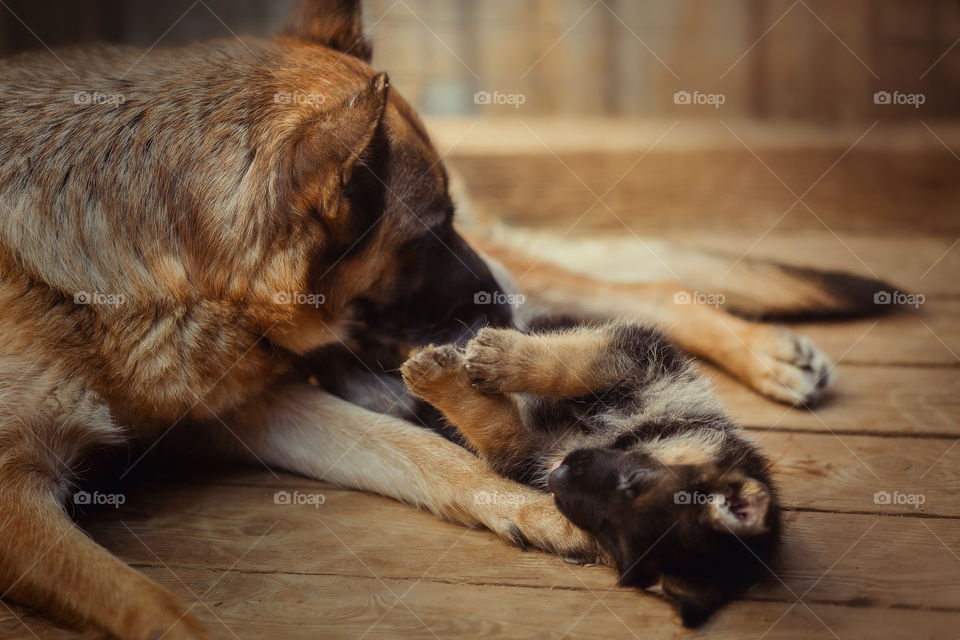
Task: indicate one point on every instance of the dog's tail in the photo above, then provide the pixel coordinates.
(767, 289)
(746, 286)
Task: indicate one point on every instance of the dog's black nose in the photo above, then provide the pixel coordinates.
(558, 478)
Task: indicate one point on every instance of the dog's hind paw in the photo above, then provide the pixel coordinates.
(787, 367)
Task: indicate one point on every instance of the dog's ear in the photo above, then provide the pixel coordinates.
(696, 600)
(744, 511)
(326, 149)
(337, 24)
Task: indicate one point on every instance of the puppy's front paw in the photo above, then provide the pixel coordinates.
(490, 359)
(432, 370)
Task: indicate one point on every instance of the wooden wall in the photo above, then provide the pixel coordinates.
(820, 60)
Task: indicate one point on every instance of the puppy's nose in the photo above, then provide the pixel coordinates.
(558, 477)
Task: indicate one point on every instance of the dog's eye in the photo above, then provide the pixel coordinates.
(635, 482)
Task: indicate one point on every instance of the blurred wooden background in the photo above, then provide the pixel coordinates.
(820, 60)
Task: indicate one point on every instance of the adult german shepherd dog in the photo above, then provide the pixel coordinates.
(179, 230)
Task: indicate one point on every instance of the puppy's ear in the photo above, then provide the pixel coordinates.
(635, 572)
(337, 24)
(696, 600)
(744, 511)
(326, 149)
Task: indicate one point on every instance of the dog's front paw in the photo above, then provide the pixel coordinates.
(787, 367)
(537, 522)
(432, 370)
(490, 360)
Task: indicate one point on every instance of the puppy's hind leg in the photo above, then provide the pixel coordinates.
(491, 422)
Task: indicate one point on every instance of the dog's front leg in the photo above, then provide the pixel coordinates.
(302, 429)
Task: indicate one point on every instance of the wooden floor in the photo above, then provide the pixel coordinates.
(361, 566)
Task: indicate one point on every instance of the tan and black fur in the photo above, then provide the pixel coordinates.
(225, 237)
(614, 421)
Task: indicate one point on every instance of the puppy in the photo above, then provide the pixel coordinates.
(614, 422)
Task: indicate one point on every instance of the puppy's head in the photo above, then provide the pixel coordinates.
(704, 531)
(362, 172)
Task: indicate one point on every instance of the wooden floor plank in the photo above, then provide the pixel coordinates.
(843, 473)
(219, 527)
(869, 191)
(889, 400)
(930, 336)
(271, 606)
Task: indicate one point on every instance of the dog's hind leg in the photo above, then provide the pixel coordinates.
(48, 563)
(770, 359)
(302, 429)
(47, 425)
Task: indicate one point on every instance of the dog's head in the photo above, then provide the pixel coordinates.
(704, 531)
(364, 173)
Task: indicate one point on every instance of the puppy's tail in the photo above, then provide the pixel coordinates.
(749, 287)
